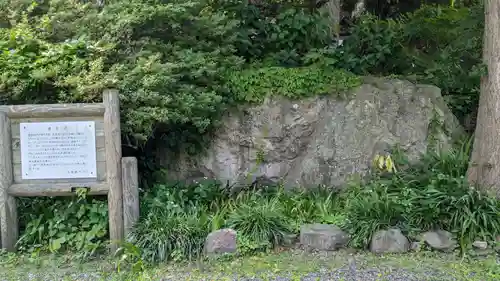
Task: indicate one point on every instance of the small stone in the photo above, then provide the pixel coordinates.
(290, 239)
(389, 241)
(482, 252)
(323, 237)
(221, 241)
(441, 240)
(415, 246)
(480, 245)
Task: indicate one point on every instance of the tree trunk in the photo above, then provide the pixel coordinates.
(484, 168)
(333, 8)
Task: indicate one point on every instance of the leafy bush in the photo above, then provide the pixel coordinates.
(374, 47)
(454, 61)
(321, 205)
(79, 224)
(178, 196)
(168, 60)
(431, 194)
(167, 72)
(166, 234)
(260, 219)
(435, 45)
(254, 84)
(176, 218)
(285, 34)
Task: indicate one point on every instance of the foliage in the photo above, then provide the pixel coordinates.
(374, 47)
(261, 220)
(320, 205)
(247, 246)
(254, 84)
(176, 219)
(433, 193)
(128, 256)
(284, 33)
(177, 196)
(167, 72)
(171, 235)
(438, 45)
(168, 60)
(78, 224)
(447, 52)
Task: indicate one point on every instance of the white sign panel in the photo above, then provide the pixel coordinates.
(58, 150)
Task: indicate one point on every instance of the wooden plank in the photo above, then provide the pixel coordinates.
(9, 229)
(101, 176)
(100, 155)
(59, 189)
(53, 110)
(130, 182)
(113, 166)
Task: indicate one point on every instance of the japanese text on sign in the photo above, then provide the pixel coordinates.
(58, 150)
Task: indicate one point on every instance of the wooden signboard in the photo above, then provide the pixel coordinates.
(49, 150)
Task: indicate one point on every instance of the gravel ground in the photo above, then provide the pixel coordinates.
(282, 267)
(343, 274)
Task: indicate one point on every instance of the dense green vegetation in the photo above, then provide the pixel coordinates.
(431, 194)
(179, 64)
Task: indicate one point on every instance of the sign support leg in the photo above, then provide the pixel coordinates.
(9, 228)
(113, 145)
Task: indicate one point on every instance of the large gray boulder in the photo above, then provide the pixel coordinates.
(320, 140)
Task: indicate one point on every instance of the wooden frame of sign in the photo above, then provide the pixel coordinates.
(51, 149)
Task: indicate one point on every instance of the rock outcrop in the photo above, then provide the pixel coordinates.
(321, 140)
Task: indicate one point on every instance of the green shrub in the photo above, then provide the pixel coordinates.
(321, 205)
(374, 47)
(255, 84)
(248, 246)
(78, 224)
(427, 195)
(176, 218)
(284, 34)
(181, 196)
(167, 73)
(434, 45)
(447, 52)
(167, 59)
(260, 219)
(166, 234)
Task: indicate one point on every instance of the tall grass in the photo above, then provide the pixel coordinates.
(430, 194)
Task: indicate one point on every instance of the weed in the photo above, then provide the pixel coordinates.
(260, 219)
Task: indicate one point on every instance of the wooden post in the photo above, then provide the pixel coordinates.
(130, 182)
(113, 166)
(8, 209)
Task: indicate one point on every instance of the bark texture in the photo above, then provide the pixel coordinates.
(484, 168)
(333, 8)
